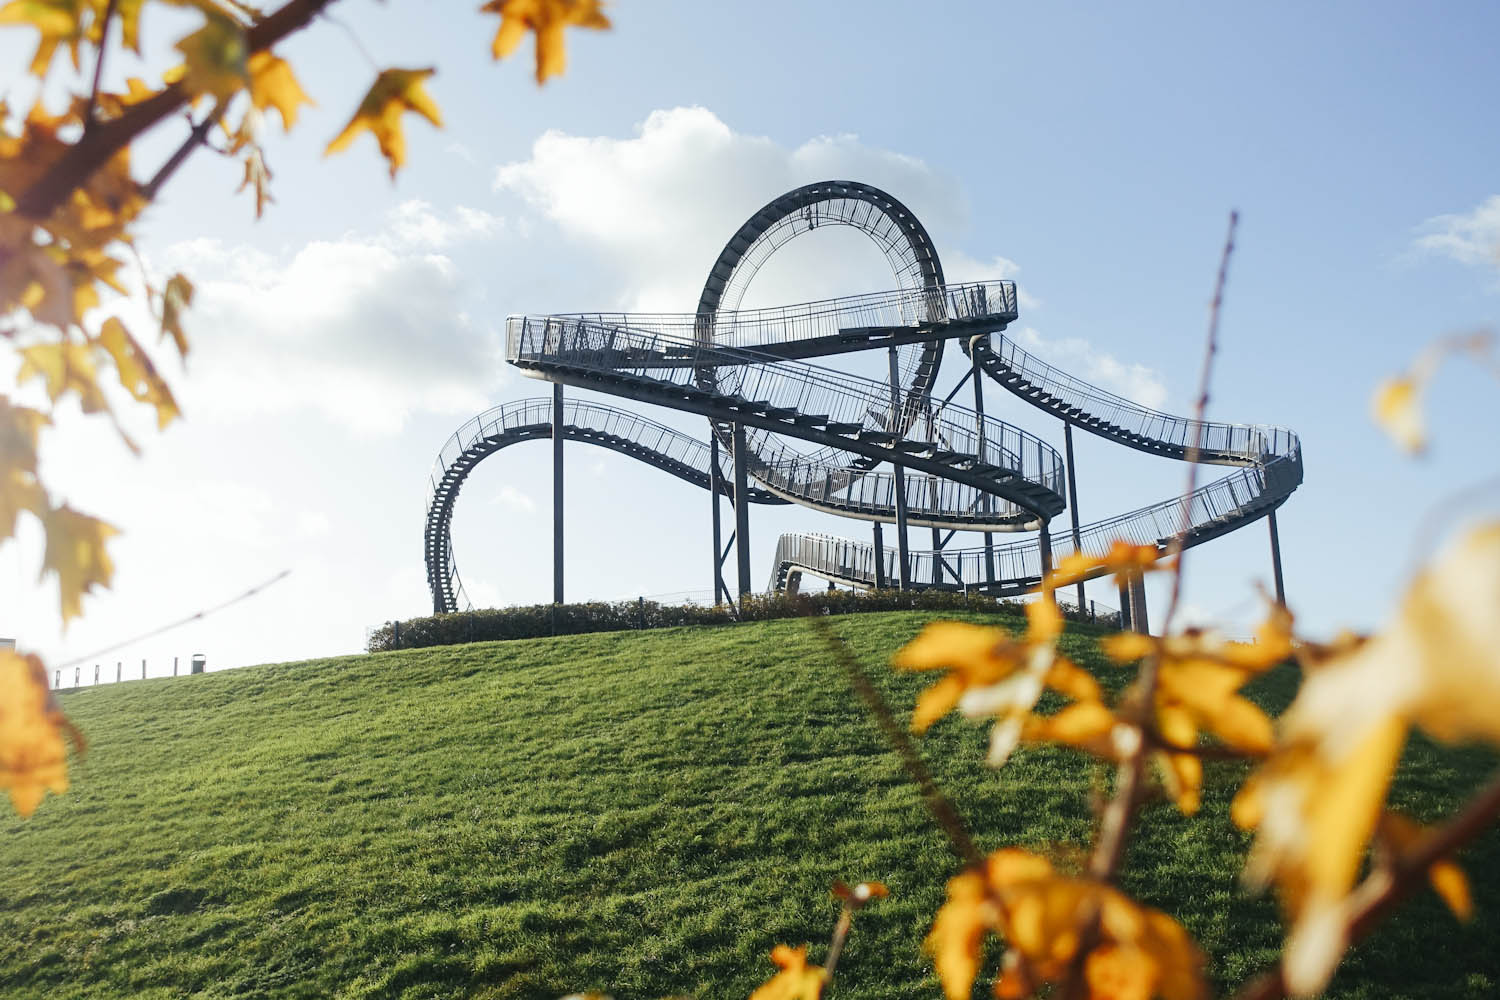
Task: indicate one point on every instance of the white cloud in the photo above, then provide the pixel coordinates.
(1470, 238)
(513, 499)
(1077, 356)
(362, 330)
(659, 206)
(415, 224)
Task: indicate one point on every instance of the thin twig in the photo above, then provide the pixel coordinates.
(836, 945)
(196, 137)
(177, 624)
(97, 146)
(88, 113)
(932, 796)
(1383, 890)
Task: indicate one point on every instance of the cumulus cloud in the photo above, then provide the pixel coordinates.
(513, 499)
(1471, 237)
(364, 330)
(659, 206)
(1078, 357)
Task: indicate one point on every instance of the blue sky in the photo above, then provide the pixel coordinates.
(1093, 152)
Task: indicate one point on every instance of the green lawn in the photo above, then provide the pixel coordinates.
(645, 813)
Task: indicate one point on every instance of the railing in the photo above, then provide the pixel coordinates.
(1212, 509)
(583, 343)
(1221, 443)
(970, 303)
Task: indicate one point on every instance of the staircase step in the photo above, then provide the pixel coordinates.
(810, 419)
(844, 429)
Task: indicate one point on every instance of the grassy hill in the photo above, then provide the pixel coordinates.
(645, 813)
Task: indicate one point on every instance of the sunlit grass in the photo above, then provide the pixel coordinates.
(647, 813)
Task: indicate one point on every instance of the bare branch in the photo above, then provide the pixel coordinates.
(109, 14)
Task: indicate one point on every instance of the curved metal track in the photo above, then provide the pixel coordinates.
(747, 367)
(630, 434)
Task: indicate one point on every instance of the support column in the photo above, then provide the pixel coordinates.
(937, 558)
(1124, 607)
(1073, 500)
(1276, 558)
(880, 581)
(742, 508)
(557, 493)
(986, 501)
(1044, 547)
(903, 552)
(1139, 619)
(715, 487)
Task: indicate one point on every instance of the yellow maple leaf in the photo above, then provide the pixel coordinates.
(176, 297)
(137, 374)
(1397, 408)
(64, 367)
(215, 58)
(796, 981)
(19, 488)
(273, 85)
(394, 92)
(33, 756)
(547, 19)
(75, 552)
(57, 21)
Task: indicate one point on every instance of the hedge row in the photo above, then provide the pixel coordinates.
(536, 620)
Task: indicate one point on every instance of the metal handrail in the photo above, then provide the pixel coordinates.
(582, 342)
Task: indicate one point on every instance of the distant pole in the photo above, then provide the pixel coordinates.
(1125, 624)
(56, 679)
(742, 508)
(903, 550)
(119, 671)
(76, 678)
(1276, 559)
(715, 487)
(174, 666)
(557, 493)
(986, 501)
(880, 581)
(640, 611)
(937, 557)
(143, 668)
(96, 673)
(1044, 547)
(1073, 499)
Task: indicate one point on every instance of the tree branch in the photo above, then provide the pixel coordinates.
(109, 15)
(1384, 890)
(98, 145)
(195, 138)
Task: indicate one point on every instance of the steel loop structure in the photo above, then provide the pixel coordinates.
(884, 451)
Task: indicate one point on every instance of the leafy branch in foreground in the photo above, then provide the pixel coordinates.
(69, 201)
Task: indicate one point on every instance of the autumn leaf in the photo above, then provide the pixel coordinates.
(1397, 409)
(75, 552)
(1402, 834)
(137, 374)
(176, 297)
(273, 85)
(547, 19)
(57, 21)
(33, 756)
(65, 367)
(394, 92)
(796, 981)
(20, 490)
(215, 58)
(258, 178)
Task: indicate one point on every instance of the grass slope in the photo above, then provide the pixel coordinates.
(647, 813)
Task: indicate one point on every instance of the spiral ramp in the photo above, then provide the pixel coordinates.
(872, 443)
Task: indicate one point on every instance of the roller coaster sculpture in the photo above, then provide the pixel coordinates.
(887, 452)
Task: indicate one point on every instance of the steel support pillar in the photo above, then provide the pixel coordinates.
(557, 493)
(937, 558)
(715, 487)
(986, 501)
(1044, 547)
(1276, 558)
(1139, 619)
(1073, 501)
(903, 551)
(742, 508)
(1124, 607)
(880, 581)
